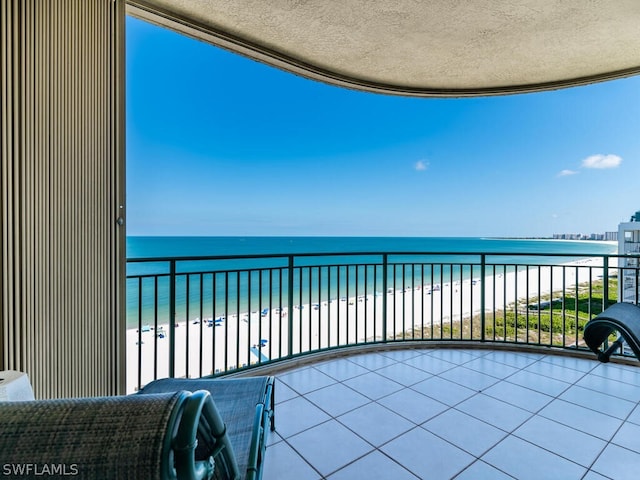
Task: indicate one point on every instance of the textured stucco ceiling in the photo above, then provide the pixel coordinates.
(425, 48)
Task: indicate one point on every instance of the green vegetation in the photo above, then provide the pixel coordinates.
(557, 319)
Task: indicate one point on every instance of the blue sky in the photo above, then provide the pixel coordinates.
(220, 145)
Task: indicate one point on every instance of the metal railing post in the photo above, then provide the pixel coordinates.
(139, 341)
(605, 277)
(290, 306)
(385, 259)
(483, 261)
(172, 318)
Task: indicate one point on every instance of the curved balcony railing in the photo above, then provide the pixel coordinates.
(200, 316)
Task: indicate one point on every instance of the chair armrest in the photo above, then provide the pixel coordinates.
(104, 437)
(246, 405)
(621, 317)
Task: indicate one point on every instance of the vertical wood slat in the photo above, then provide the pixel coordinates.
(62, 180)
(6, 85)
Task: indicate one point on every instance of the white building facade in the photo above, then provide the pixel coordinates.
(629, 247)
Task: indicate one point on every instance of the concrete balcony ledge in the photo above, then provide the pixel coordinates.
(309, 359)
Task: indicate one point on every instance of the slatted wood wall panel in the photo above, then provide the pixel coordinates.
(62, 252)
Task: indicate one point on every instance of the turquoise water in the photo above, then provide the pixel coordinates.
(204, 246)
(260, 283)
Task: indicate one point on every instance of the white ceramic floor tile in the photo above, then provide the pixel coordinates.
(591, 475)
(337, 399)
(283, 463)
(283, 392)
(490, 367)
(458, 357)
(474, 352)
(297, 415)
(273, 438)
(580, 418)
(628, 437)
(306, 380)
(513, 359)
(430, 364)
(426, 455)
(373, 385)
(580, 364)
(329, 447)
(465, 432)
(482, 471)
(611, 387)
(618, 373)
(341, 369)
(600, 402)
(557, 372)
(539, 383)
(525, 461)
(401, 355)
(635, 415)
(618, 463)
(518, 396)
(562, 440)
(375, 423)
(374, 466)
(372, 361)
(403, 374)
(494, 412)
(413, 406)
(443, 390)
(469, 378)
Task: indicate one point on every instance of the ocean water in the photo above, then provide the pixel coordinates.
(257, 282)
(146, 247)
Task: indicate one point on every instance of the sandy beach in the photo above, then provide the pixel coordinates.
(207, 346)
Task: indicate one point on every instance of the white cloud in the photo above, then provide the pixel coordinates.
(567, 172)
(601, 161)
(421, 165)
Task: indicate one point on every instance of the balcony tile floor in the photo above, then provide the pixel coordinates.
(451, 413)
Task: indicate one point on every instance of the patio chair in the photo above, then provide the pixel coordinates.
(623, 318)
(151, 436)
(246, 405)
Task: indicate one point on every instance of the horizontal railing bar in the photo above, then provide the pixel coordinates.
(346, 265)
(347, 254)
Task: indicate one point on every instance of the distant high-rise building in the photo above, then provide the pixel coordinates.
(611, 236)
(629, 264)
